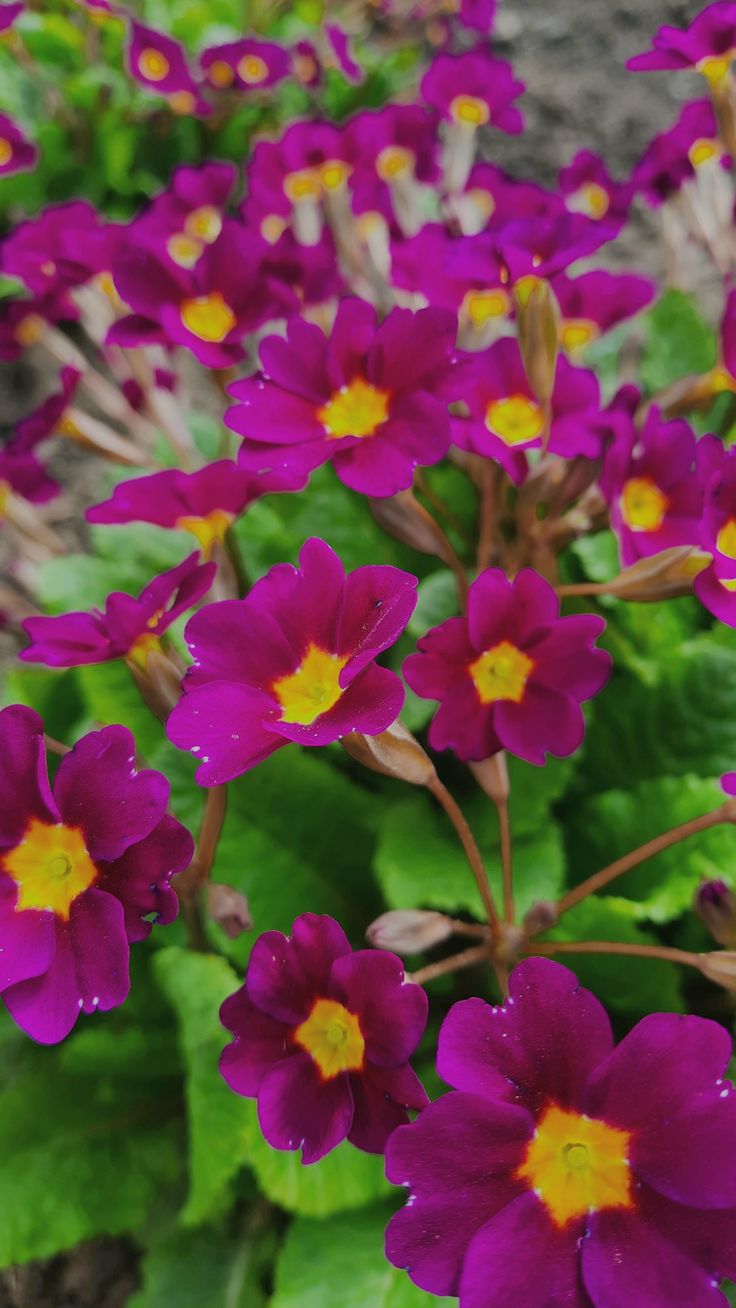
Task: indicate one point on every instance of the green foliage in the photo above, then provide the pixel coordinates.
(340, 1264)
(678, 341)
(208, 1268)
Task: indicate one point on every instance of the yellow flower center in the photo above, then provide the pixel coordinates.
(273, 227)
(208, 317)
(6, 152)
(184, 250)
(182, 102)
(726, 539)
(220, 74)
(715, 68)
(66, 426)
(29, 329)
(392, 161)
(501, 673)
(208, 530)
(137, 655)
(302, 185)
(643, 504)
(481, 306)
(718, 380)
(516, 419)
(313, 689)
(469, 109)
(332, 1037)
(590, 199)
(577, 1165)
(357, 409)
(51, 867)
(5, 493)
(576, 333)
(702, 151)
(204, 224)
(334, 173)
(252, 69)
(153, 64)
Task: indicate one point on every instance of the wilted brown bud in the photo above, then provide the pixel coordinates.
(716, 904)
(409, 930)
(720, 968)
(395, 753)
(540, 917)
(696, 391)
(537, 316)
(662, 576)
(492, 774)
(404, 518)
(229, 909)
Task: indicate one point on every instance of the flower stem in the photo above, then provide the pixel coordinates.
(509, 907)
(724, 813)
(487, 514)
(469, 844)
(467, 958)
(661, 952)
(210, 831)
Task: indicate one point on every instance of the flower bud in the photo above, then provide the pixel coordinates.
(540, 917)
(492, 775)
(229, 909)
(409, 930)
(716, 904)
(720, 968)
(537, 316)
(661, 576)
(394, 753)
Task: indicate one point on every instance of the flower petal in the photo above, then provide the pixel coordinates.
(626, 1261)
(392, 1011)
(297, 1109)
(519, 1257)
(98, 789)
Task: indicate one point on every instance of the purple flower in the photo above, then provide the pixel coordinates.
(208, 307)
(474, 89)
(477, 14)
(505, 418)
(158, 62)
(394, 148)
(294, 660)
(562, 1170)
(708, 44)
(205, 503)
(9, 13)
(48, 417)
(323, 1038)
(129, 626)
(65, 246)
(306, 65)
(715, 586)
(539, 247)
(22, 474)
(247, 65)
(16, 152)
(339, 55)
(422, 264)
(588, 188)
(512, 674)
(290, 179)
(366, 397)
(22, 321)
(650, 481)
(189, 214)
(82, 870)
(677, 155)
(596, 301)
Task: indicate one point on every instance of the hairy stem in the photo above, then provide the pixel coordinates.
(661, 952)
(455, 963)
(469, 844)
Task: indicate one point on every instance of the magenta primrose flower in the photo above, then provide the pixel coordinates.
(22, 321)
(479, 15)
(246, 65)
(561, 1170)
(323, 1038)
(208, 308)
(366, 398)
(82, 868)
(158, 62)
(537, 246)
(293, 661)
(588, 188)
(512, 673)
(650, 481)
(289, 179)
(22, 474)
(189, 214)
(129, 627)
(339, 55)
(9, 13)
(65, 246)
(420, 265)
(474, 89)
(49, 417)
(17, 154)
(677, 155)
(596, 301)
(393, 147)
(715, 585)
(505, 419)
(205, 502)
(708, 44)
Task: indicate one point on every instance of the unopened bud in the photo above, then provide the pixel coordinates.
(492, 775)
(661, 576)
(404, 518)
(540, 917)
(394, 753)
(537, 316)
(409, 930)
(720, 968)
(229, 908)
(157, 676)
(716, 904)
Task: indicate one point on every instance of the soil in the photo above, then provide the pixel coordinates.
(572, 55)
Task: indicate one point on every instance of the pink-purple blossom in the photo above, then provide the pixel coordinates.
(17, 153)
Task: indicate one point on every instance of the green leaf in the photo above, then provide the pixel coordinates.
(196, 985)
(344, 1180)
(341, 1264)
(679, 341)
(111, 695)
(627, 984)
(437, 601)
(420, 862)
(82, 1156)
(209, 1268)
(607, 826)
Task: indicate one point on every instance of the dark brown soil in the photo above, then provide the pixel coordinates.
(100, 1274)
